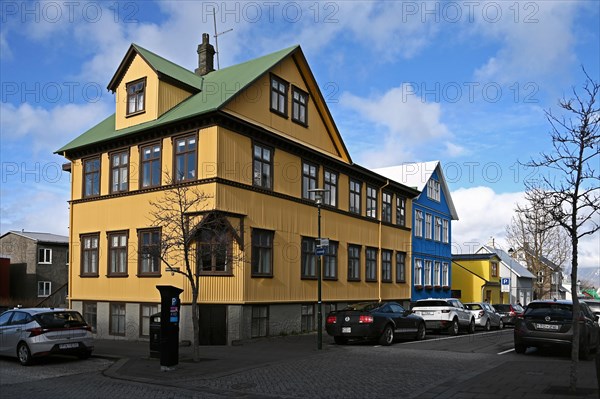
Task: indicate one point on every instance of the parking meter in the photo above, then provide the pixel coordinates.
(170, 307)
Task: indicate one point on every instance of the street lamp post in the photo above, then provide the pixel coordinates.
(319, 193)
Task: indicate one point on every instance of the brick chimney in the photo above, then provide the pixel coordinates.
(206, 56)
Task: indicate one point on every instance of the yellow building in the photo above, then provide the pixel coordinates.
(254, 138)
(476, 277)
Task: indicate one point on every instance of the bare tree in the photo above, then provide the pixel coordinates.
(570, 193)
(194, 240)
(533, 233)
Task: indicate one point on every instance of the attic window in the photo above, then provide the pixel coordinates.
(279, 96)
(433, 190)
(136, 96)
(299, 101)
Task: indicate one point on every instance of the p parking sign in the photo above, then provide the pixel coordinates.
(504, 284)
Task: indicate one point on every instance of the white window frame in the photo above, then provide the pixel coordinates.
(445, 231)
(427, 272)
(428, 226)
(418, 279)
(418, 223)
(437, 229)
(436, 273)
(433, 190)
(445, 274)
(47, 256)
(44, 288)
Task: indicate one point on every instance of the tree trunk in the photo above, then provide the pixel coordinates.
(575, 344)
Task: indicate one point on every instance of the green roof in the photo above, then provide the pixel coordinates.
(217, 88)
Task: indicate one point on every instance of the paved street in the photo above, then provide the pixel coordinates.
(291, 367)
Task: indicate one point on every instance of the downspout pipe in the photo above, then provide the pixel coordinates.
(379, 274)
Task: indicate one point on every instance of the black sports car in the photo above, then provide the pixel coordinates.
(382, 321)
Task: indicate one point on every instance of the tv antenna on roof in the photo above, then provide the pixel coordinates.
(217, 36)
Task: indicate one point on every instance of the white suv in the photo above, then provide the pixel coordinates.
(445, 314)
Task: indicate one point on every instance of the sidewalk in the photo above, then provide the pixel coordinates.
(533, 377)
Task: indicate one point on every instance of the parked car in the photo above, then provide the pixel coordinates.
(445, 314)
(594, 305)
(34, 332)
(509, 312)
(486, 315)
(549, 323)
(383, 321)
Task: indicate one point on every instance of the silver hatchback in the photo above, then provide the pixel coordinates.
(33, 332)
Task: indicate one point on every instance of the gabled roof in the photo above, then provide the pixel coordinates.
(227, 81)
(509, 261)
(164, 68)
(417, 174)
(48, 238)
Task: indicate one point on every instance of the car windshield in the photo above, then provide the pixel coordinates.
(363, 306)
(473, 306)
(429, 304)
(60, 319)
(549, 309)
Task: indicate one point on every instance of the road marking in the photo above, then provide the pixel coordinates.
(502, 353)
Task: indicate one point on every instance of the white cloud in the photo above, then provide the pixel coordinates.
(406, 122)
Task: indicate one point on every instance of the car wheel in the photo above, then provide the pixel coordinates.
(488, 325)
(421, 332)
(501, 325)
(340, 340)
(471, 328)
(24, 354)
(453, 329)
(520, 348)
(388, 336)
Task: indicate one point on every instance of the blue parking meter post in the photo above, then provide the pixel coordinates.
(170, 306)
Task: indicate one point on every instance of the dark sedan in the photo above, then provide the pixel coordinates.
(382, 321)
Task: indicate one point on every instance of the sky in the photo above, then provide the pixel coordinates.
(467, 83)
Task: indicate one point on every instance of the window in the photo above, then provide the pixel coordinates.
(308, 318)
(494, 269)
(90, 314)
(400, 211)
(309, 259)
(262, 252)
(215, 251)
(149, 252)
(418, 223)
(445, 235)
(263, 166)
(150, 169)
(437, 233)
(445, 274)
(135, 96)
(279, 96)
(436, 273)
(44, 288)
(400, 267)
(91, 177)
(44, 255)
(540, 277)
(355, 188)
(119, 171)
(185, 158)
(299, 102)
(117, 319)
(386, 266)
(145, 312)
(117, 254)
(427, 273)
(309, 180)
(371, 202)
(433, 190)
(89, 254)
(418, 272)
(330, 186)
(260, 320)
(371, 265)
(386, 207)
(353, 263)
(330, 262)
(428, 226)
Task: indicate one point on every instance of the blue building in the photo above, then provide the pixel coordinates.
(432, 215)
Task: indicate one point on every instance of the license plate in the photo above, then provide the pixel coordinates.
(547, 327)
(427, 313)
(346, 330)
(68, 346)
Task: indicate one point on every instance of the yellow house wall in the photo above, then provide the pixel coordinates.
(169, 96)
(137, 70)
(253, 104)
(471, 285)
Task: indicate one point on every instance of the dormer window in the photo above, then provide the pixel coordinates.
(136, 97)
(299, 102)
(279, 90)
